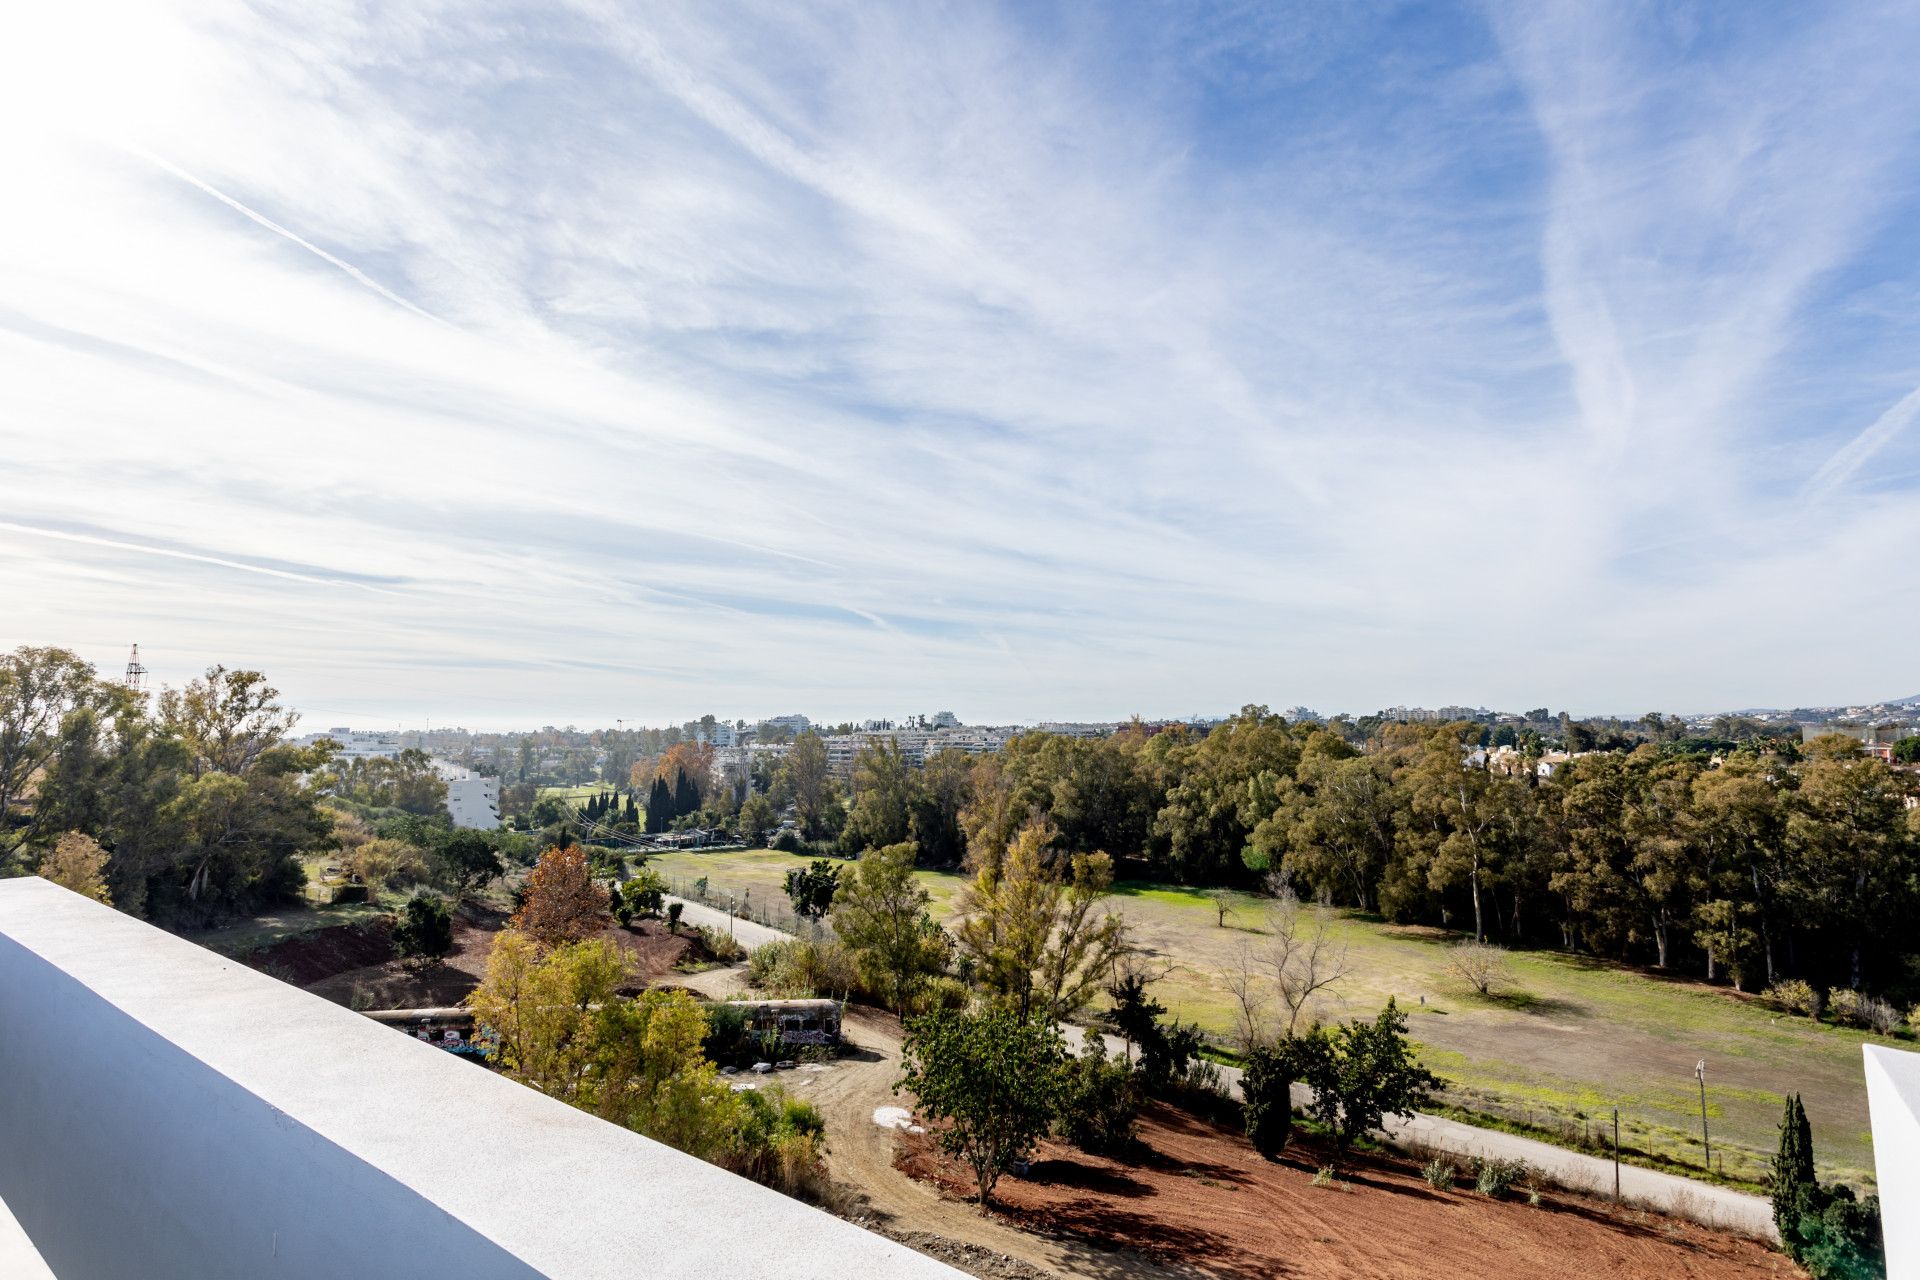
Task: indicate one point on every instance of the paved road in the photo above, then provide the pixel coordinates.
(748, 933)
(1701, 1202)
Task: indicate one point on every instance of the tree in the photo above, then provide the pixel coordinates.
(562, 903)
(755, 819)
(645, 894)
(1222, 902)
(39, 689)
(1481, 963)
(880, 912)
(1847, 830)
(811, 889)
(228, 719)
(1823, 1228)
(1466, 819)
(1793, 1165)
(1267, 1083)
(1366, 1073)
(992, 1080)
(78, 863)
(1907, 749)
(425, 930)
(562, 1028)
(660, 810)
(1132, 1012)
(469, 860)
(1301, 959)
(805, 777)
(1029, 927)
(885, 792)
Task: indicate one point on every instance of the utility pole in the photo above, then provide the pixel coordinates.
(1706, 1148)
(1616, 1154)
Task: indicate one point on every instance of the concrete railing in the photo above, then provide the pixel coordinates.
(1893, 1100)
(166, 1112)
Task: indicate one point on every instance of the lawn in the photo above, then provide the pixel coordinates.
(1569, 1040)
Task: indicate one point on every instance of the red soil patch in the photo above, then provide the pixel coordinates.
(1199, 1196)
(325, 952)
(381, 982)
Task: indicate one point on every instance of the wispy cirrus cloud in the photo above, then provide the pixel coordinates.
(1033, 362)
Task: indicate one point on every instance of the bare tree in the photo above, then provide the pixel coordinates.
(1222, 904)
(1304, 957)
(1300, 961)
(1482, 964)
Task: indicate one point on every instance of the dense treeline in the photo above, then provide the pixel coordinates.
(200, 804)
(1766, 862)
(191, 806)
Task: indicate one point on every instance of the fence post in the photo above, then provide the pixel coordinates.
(1616, 1154)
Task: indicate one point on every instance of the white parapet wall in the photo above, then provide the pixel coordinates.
(166, 1112)
(1893, 1102)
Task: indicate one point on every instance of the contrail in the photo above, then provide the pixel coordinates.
(143, 548)
(351, 270)
(1851, 456)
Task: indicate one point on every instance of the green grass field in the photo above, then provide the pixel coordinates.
(576, 796)
(1569, 1040)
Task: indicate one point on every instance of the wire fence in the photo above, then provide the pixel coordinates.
(1641, 1140)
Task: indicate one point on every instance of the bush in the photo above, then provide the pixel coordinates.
(425, 930)
(942, 993)
(802, 968)
(673, 916)
(1794, 996)
(1497, 1177)
(1844, 1005)
(781, 1142)
(1440, 1173)
(720, 944)
(1323, 1176)
(1099, 1102)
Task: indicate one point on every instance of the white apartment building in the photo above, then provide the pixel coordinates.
(473, 799)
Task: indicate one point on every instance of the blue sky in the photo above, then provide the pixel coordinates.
(512, 364)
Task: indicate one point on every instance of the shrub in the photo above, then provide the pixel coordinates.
(1882, 1016)
(1323, 1177)
(1362, 1072)
(1099, 1102)
(942, 993)
(720, 944)
(673, 916)
(1844, 1004)
(781, 1142)
(1497, 1177)
(1440, 1173)
(1794, 996)
(803, 967)
(426, 928)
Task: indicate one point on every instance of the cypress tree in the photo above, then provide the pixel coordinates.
(686, 797)
(1793, 1173)
(659, 806)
